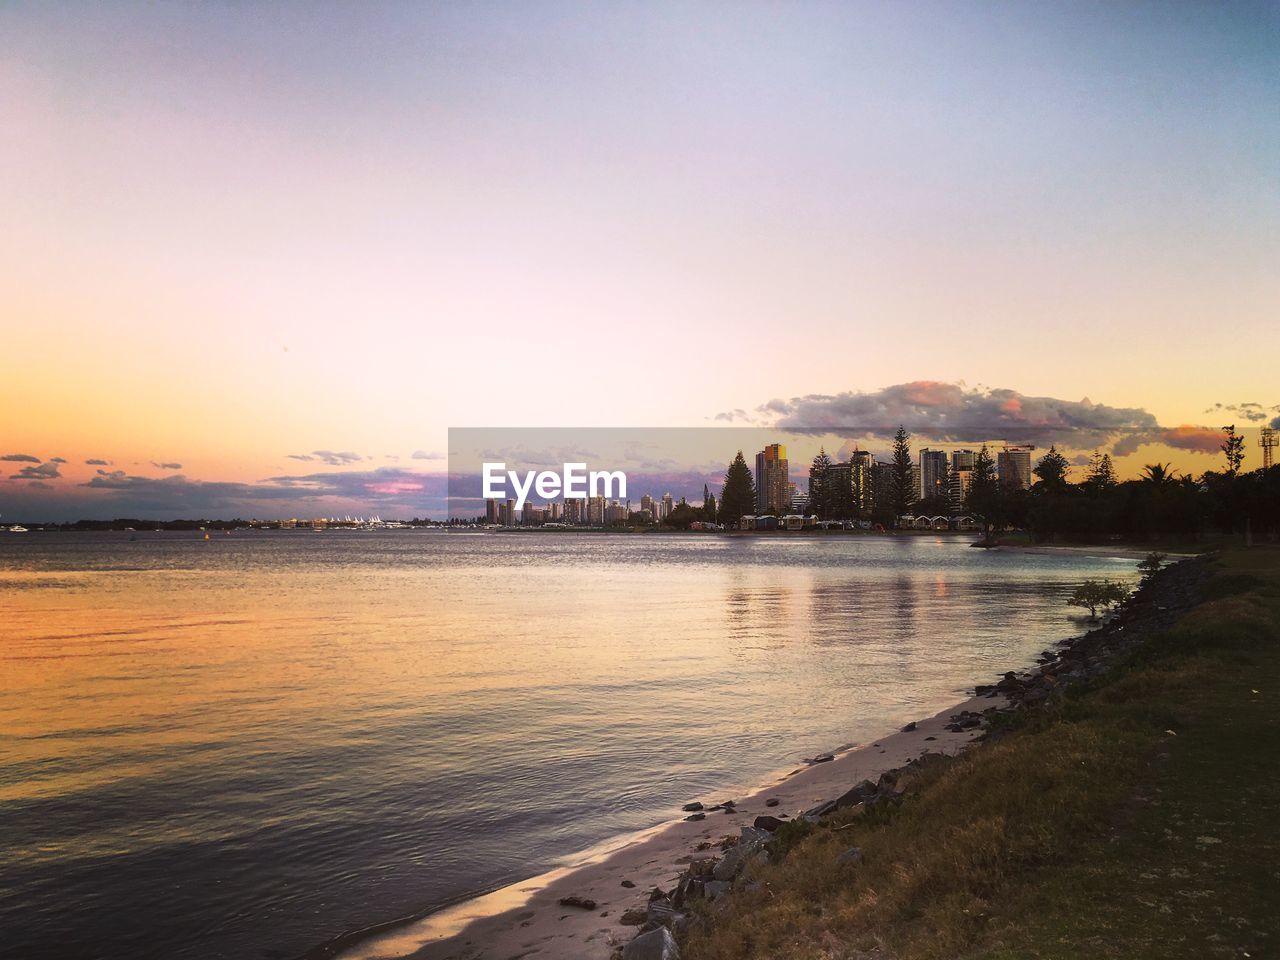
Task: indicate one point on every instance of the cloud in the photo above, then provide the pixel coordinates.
(20, 458)
(44, 471)
(1193, 438)
(57, 460)
(306, 457)
(1253, 412)
(336, 458)
(953, 412)
(1275, 424)
(427, 455)
(98, 463)
(166, 466)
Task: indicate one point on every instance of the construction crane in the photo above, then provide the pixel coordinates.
(1267, 441)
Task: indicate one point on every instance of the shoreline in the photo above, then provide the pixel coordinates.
(527, 916)
(619, 875)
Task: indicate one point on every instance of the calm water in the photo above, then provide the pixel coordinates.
(245, 747)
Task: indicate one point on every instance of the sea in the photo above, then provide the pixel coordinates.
(248, 746)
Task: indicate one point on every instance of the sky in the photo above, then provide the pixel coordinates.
(257, 257)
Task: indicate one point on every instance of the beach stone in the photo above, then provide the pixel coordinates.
(691, 807)
(765, 822)
(582, 903)
(635, 917)
(628, 884)
(856, 795)
(909, 727)
(715, 888)
(696, 816)
(754, 835)
(772, 802)
(654, 945)
(825, 758)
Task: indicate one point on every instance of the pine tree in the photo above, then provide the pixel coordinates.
(1101, 472)
(904, 493)
(820, 485)
(1051, 472)
(984, 497)
(738, 498)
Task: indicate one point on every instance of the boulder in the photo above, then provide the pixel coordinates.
(696, 816)
(654, 945)
(582, 903)
(909, 727)
(768, 823)
(859, 794)
(691, 807)
(715, 888)
(772, 802)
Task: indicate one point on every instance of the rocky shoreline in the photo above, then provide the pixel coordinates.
(627, 904)
(718, 871)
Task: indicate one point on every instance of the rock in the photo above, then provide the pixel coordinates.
(715, 888)
(909, 727)
(691, 807)
(735, 858)
(772, 802)
(754, 835)
(859, 794)
(821, 810)
(582, 903)
(765, 822)
(931, 738)
(825, 758)
(661, 913)
(656, 894)
(628, 884)
(703, 868)
(654, 945)
(635, 917)
(696, 816)
(850, 857)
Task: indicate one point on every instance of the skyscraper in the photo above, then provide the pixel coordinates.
(962, 460)
(933, 473)
(771, 479)
(1013, 463)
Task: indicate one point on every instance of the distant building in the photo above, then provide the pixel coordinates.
(933, 473)
(491, 511)
(667, 506)
(958, 487)
(962, 459)
(771, 479)
(509, 513)
(1013, 464)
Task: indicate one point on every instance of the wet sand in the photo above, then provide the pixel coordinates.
(527, 920)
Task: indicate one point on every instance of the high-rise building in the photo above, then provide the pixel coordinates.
(861, 481)
(1013, 464)
(958, 487)
(771, 479)
(933, 473)
(509, 513)
(491, 511)
(667, 506)
(646, 503)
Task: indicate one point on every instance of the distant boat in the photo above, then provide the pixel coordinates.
(18, 528)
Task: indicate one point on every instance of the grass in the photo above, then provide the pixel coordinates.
(1139, 817)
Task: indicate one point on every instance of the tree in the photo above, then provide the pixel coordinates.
(1051, 472)
(1233, 447)
(820, 485)
(1102, 474)
(1159, 474)
(738, 497)
(708, 504)
(904, 493)
(1093, 594)
(984, 497)
(682, 516)
(1151, 563)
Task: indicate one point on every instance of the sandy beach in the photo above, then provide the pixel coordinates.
(526, 919)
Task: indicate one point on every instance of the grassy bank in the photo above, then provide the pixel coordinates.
(1138, 816)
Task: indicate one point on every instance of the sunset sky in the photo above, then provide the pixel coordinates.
(257, 259)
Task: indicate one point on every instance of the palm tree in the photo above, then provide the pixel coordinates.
(1159, 474)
